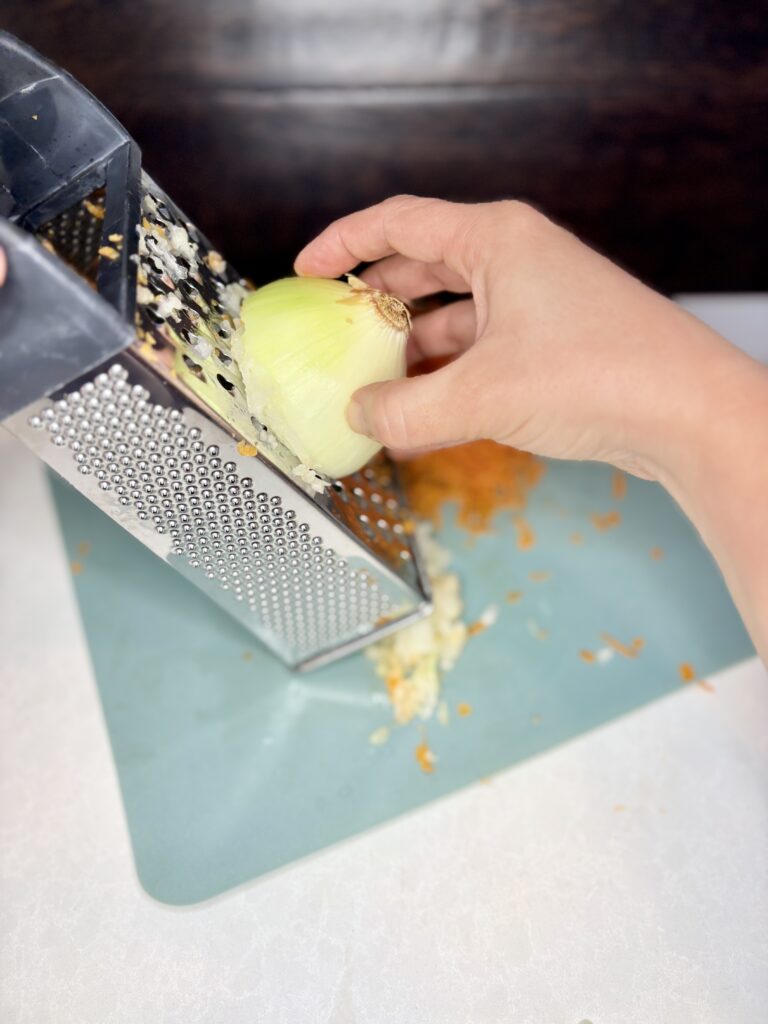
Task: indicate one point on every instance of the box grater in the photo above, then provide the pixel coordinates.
(115, 369)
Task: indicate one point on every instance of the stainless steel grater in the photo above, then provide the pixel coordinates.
(115, 369)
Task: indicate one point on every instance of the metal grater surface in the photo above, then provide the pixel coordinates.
(159, 436)
(157, 439)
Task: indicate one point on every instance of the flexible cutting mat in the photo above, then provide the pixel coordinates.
(231, 767)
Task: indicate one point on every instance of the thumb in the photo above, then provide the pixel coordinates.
(437, 408)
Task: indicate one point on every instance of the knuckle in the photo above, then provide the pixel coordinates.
(401, 201)
(523, 218)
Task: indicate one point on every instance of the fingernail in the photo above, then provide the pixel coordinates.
(356, 418)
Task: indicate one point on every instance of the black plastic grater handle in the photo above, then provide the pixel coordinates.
(57, 145)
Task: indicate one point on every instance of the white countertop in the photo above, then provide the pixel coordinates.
(531, 898)
(619, 879)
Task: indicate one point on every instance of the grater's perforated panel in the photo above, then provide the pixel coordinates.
(187, 311)
(163, 442)
(148, 460)
(75, 234)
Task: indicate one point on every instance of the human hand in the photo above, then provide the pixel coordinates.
(562, 353)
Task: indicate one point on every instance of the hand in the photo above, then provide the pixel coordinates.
(563, 354)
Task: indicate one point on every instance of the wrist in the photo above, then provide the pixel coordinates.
(703, 400)
(719, 431)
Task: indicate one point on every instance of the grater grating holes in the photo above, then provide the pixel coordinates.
(248, 543)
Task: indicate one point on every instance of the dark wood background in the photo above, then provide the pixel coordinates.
(641, 124)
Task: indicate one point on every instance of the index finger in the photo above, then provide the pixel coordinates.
(429, 230)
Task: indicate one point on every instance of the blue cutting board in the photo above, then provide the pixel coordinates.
(230, 766)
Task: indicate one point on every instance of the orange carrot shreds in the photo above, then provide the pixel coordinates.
(424, 757)
(619, 807)
(587, 656)
(76, 567)
(247, 655)
(481, 478)
(489, 617)
(514, 596)
(245, 449)
(392, 682)
(618, 485)
(83, 549)
(539, 576)
(688, 674)
(605, 522)
(657, 554)
(626, 650)
(463, 710)
(526, 538)
(577, 538)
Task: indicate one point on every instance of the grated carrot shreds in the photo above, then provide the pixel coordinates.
(605, 522)
(463, 710)
(392, 683)
(618, 485)
(83, 549)
(626, 650)
(481, 477)
(577, 538)
(76, 567)
(424, 757)
(526, 538)
(246, 449)
(539, 576)
(476, 628)
(657, 554)
(587, 656)
(688, 674)
(514, 596)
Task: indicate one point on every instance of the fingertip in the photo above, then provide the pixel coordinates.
(303, 264)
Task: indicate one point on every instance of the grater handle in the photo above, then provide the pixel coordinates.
(53, 130)
(53, 327)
